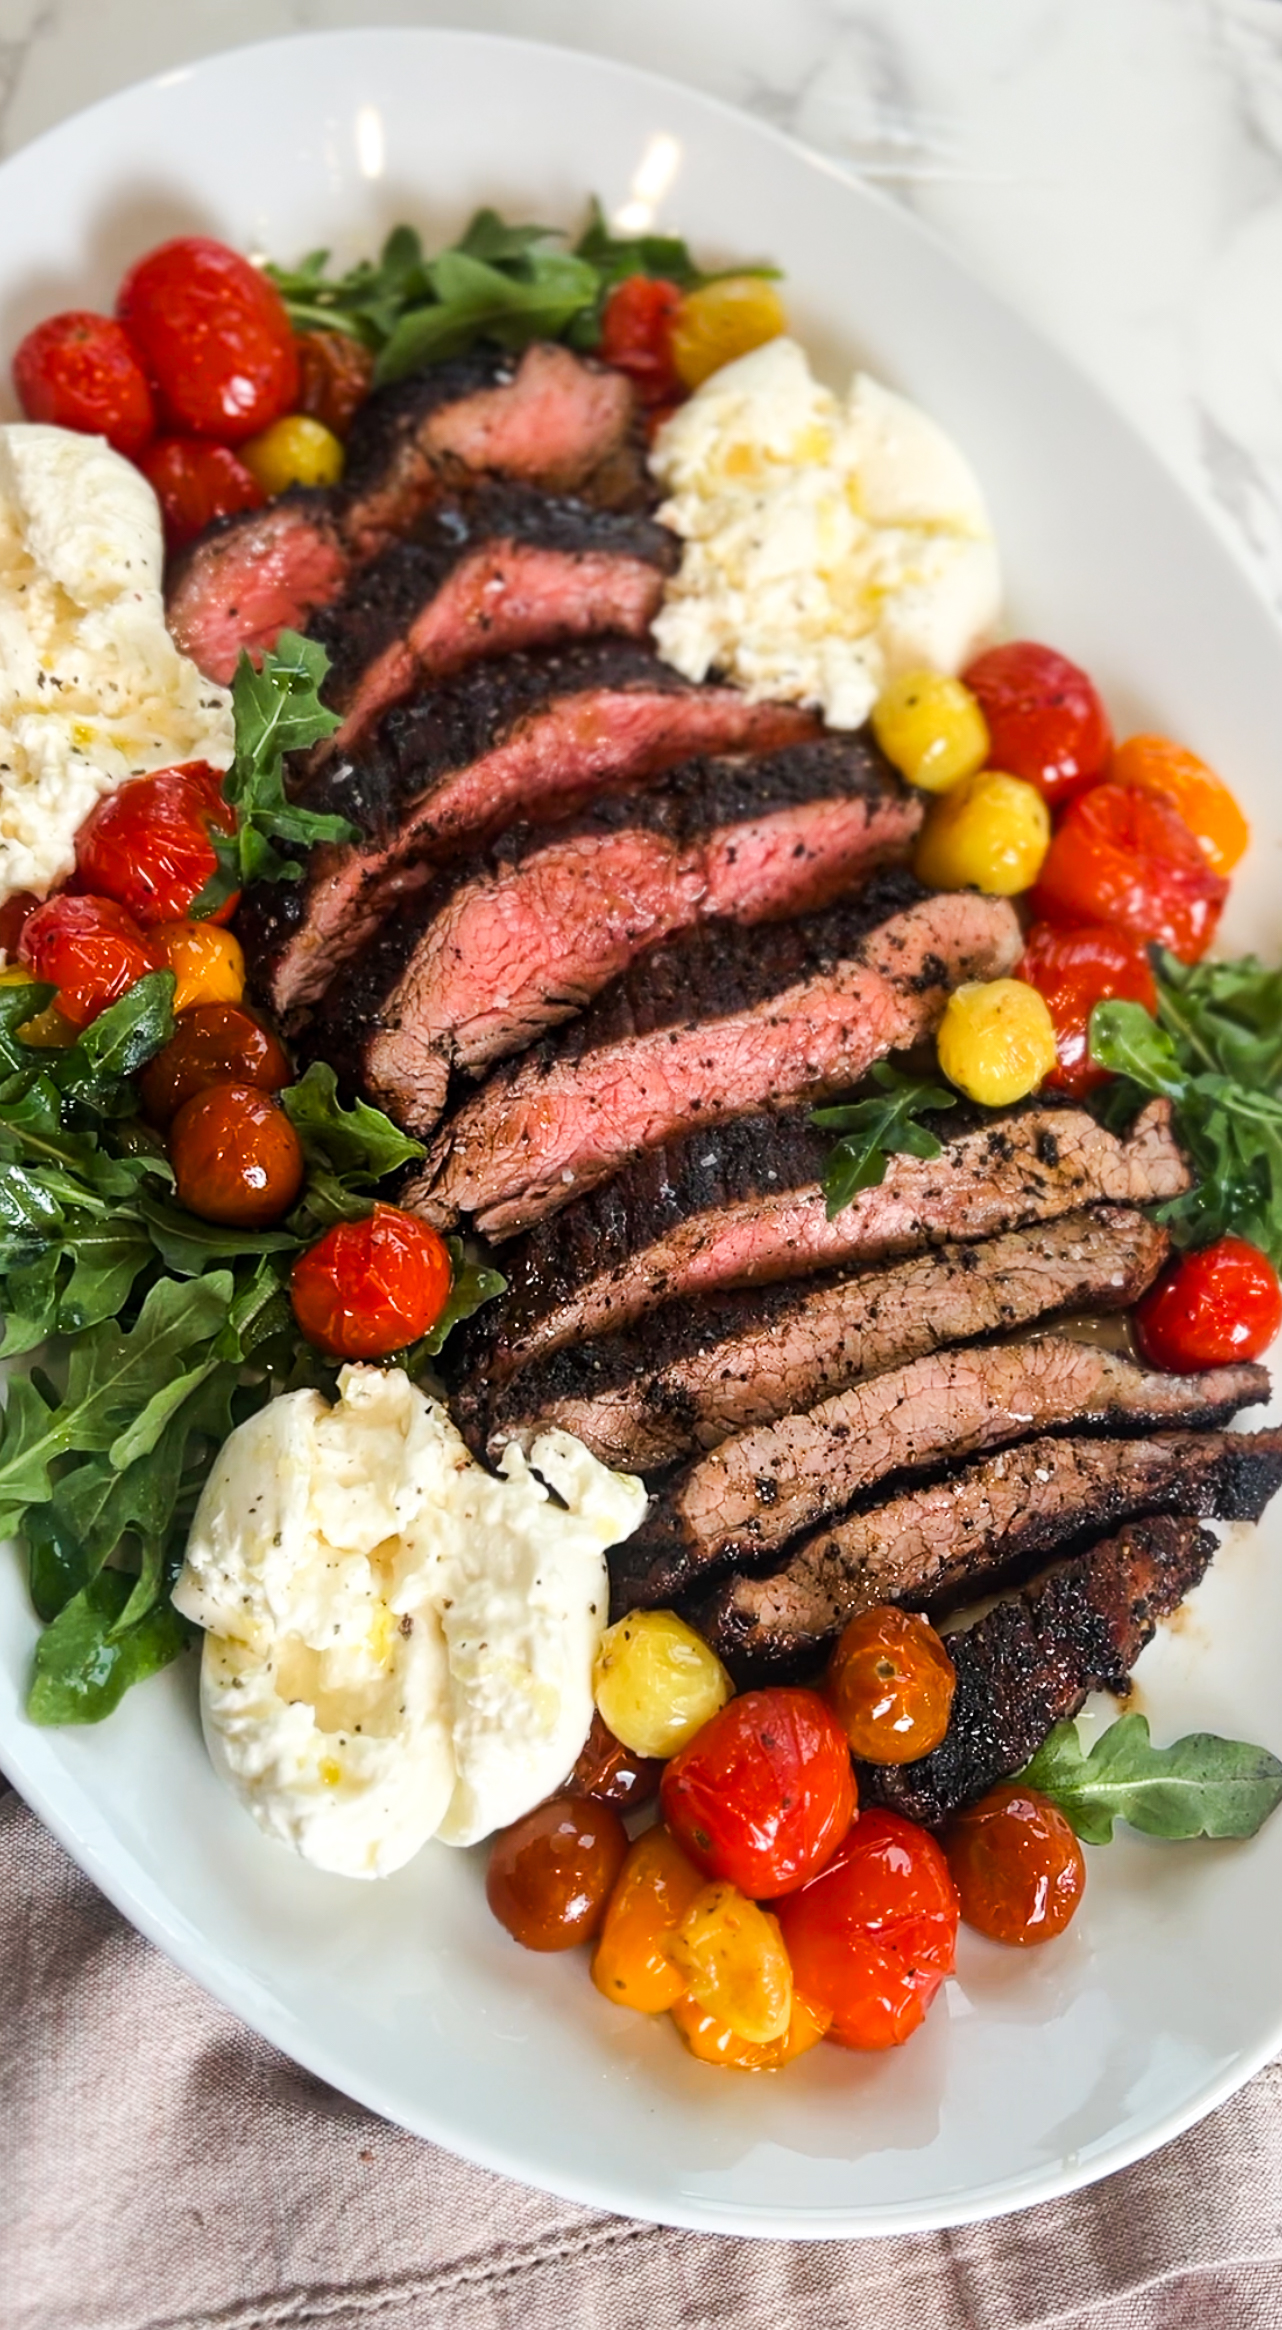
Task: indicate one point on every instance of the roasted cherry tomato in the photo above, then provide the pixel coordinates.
(551, 1874)
(1204, 801)
(196, 482)
(1209, 1308)
(611, 1772)
(88, 948)
(1126, 857)
(655, 1888)
(721, 321)
(764, 1794)
(213, 336)
(873, 1935)
(213, 1043)
(1074, 970)
(730, 1953)
(208, 963)
(17, 909)
(1046, 722)
(891, 1682)
(236, 1156)
(80, 371)
(1016, 1864)
(368, 1288)
(636, 336)
(712, 2041)
(335, 375)
(147, 845)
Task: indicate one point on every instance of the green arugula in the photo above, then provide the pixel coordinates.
(875, 1129)
(1201, 1785)
(277, 710)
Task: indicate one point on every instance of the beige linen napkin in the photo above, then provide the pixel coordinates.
(166, 2170)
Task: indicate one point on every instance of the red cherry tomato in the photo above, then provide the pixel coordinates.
(873, 1935)
(764, 1794)
(1017, 1866)
(236, 1156)
(196, 482)
(1046, 722)
(148, 845)
(213, 1043)
(80, 371)
(213, 337)
(636, 337)
(1209, 1308)
(88, 948)
(1126, 857)
(368, 1288)
(1073, 970)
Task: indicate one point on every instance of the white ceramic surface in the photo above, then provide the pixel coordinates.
(1033, 2074)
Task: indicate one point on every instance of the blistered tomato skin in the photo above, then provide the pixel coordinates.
(213, 337)
(653, 1891)
(368, 1288)
(196, 482)
(551, 1874)
(214, 1043)
(1126, 857)
(657, 1682)
(710, 2040)
(991, 833)
(613, 1773)
(931, 729)
(1204, 801)
(89, 949)
(636, 337)
(1046, 722)
(1209, 1308)
(721, 321)
(335, 375)
(147, 845)
(297, 450)
(872, 1937)
(730, 1954)
(890, 1683)
(236, 1157)
(1017, 1866)
(764, 1794)
(1073, 970)
(995, 1041)
(208, 963)
(80, 371)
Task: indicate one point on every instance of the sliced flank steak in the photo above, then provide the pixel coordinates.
(247, 579)
(716, 1024)
(935, 1547)
(695, 1375)
(745, 1500)
(741, 1205)
(489, 959)
(1032, 1661)
(533, 736)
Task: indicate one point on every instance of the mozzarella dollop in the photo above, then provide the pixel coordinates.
(829, 545)
(92, 687)
(399, 1645)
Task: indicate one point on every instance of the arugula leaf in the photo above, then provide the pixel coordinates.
(95, 1070)
(276, 710)
(477, 301)
(472, 1284)
(359, 1143)
(84, 1666)
(884, 1125)
(1201, 1785)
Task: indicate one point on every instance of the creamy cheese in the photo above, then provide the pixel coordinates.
(92, 687)
(830, 544)
(399, 1644)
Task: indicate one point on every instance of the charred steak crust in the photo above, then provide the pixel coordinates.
(1031, 1662)
(934, 1547)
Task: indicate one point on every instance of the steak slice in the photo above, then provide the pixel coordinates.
(936, 1546)
(1031, 1662)
(740, 1205)
(747, 1498)
(695, 1376)
(534, 736)
(250, 577)
(718, 1023)
(550, 917)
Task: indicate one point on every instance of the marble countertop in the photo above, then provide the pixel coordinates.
(1114, 167)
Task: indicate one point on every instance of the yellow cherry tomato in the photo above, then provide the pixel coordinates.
(990, 833)
(656, 1682)
(652, 1892)
(206, 961)
(996, 1041)
(721, 321)
(294, 451)
(731, 1955)
(931, 729)
(712, 2041)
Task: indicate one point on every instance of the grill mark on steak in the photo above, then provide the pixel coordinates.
(1032, 1661)
(534, 735)
(946, 1543)
(248, 578)
(692, 1378)
(741, 1205)
(717, 1024)
(490, 959)
(746, 1498)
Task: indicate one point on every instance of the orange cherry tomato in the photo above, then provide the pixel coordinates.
(873, 1935)
(236, 1156)
(1204, 801)
(147, 845)
(213, 338)
(636, 337)
(890, 1682)
(1016, 1864)
(368, 1288)
(1073, 970)
(89, 949)
(712, 2041)
(763, 1795)
(610, 1771)
(213, 1043)
(1126, 857)
(80, 371)
(651, 1895)
(196, 482)
(551, 1874)
(1046, 722)
(1207, 1309)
